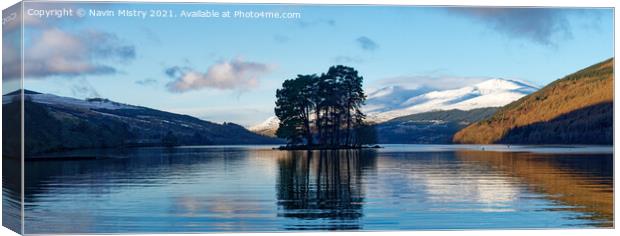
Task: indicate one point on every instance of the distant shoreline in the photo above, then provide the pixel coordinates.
(105, 153)
(310, 148)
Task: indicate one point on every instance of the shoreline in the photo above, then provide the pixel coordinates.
(311, 148)
(104, 153)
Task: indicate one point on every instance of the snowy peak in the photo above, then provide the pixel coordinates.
(489, 93)
(391, 97)
(267, 127)
(500, 85)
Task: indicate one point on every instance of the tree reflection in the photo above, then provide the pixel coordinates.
(323, 185)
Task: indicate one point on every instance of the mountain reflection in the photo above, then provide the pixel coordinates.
(323, 185)
(122, 169)
(257, 189)
(584, 182)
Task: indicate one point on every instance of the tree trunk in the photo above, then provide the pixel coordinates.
(348, 132)
(317, 124)
(308, 132)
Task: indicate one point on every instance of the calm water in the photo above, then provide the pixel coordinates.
(258, 189)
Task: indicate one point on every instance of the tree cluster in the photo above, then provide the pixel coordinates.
(324, 111)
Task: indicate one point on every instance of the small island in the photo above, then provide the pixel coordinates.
(324, 112)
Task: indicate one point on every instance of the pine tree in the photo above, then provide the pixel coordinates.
(324, 108)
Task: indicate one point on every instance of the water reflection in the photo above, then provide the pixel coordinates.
(446, 182)
(325, 185)
(215, 189)
(582, 182)
(11, 197)
(152, 190)
(120, 169)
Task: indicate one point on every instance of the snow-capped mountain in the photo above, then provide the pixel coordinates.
(395, 101)
(267, 127)
(390, 103)
(391, 97)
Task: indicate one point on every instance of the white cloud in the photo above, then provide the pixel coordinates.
(11, 60)
(60, 53)
(235, 74)
(54, 52)
(431, 81)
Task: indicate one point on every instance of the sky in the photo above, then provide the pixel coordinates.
(227, 69)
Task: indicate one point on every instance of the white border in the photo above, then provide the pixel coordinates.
(557, 3)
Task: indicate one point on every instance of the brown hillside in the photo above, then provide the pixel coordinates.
(588, 93)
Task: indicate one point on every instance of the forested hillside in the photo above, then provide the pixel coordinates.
(434, 127)
(54, 123)
(577, 109)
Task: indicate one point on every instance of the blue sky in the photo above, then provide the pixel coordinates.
(227, 69)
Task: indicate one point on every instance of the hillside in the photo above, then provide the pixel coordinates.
(577, 109)
(55, 123)
(435, 127)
